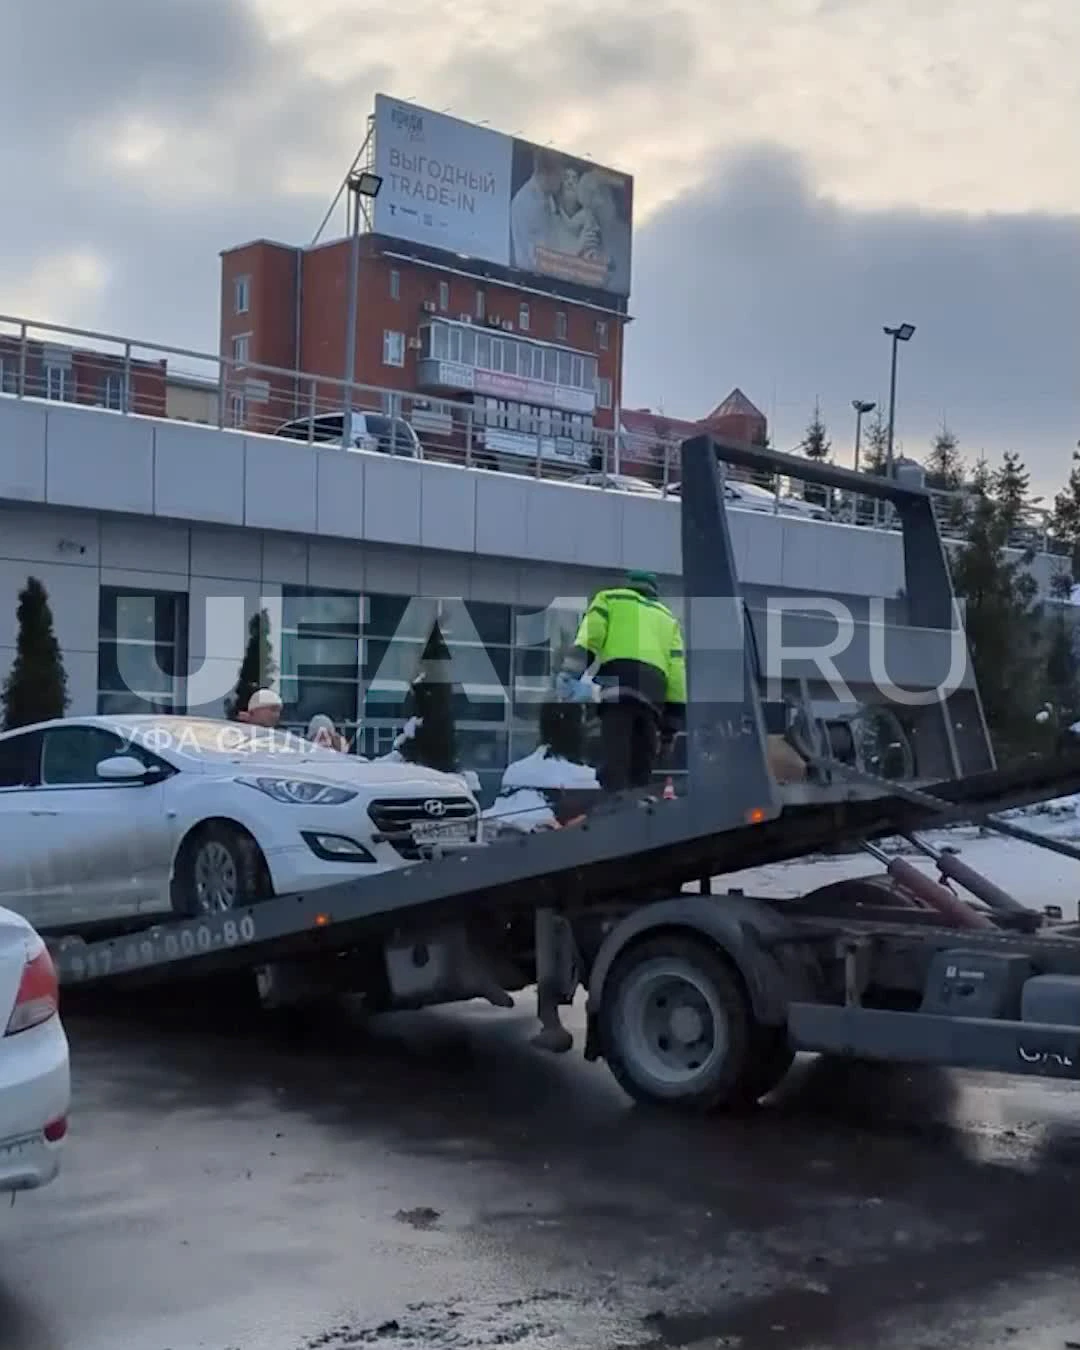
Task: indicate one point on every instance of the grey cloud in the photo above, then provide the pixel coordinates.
(754, 280)
(653, 47)
(72, 62)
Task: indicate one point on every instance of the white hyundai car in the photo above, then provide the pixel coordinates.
(105, 819)
(35, 1077)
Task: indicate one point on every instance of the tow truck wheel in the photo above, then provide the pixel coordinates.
(676, 1029)
(220, 867)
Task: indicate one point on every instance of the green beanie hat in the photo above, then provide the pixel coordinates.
(643, 581)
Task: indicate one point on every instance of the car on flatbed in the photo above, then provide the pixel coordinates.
(109, 819)
(35, 1074)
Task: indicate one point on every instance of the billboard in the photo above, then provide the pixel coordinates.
(451, 185)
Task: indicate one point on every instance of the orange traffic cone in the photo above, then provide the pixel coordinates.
(669, 789)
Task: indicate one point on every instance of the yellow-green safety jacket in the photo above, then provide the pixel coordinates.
(636, 645)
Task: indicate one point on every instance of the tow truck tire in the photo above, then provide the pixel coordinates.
(219, 867)
(676, 1029)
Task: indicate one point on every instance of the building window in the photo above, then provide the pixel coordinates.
(602, 334)
(57, 381)
(237, 409)
(480, 310)
(321, 656)
(142, 651)
(395, 284)
(603, 392)
(560, 325)
(241, 295)
(9, 377)
(112, 393)
(523, 318)
(241, 349)
(393, 348)
(444, 296)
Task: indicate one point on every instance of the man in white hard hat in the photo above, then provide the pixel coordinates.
(263, 709)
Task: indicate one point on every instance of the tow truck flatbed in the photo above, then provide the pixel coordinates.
(604, 903)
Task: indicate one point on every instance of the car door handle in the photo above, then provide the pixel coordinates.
(44, 813)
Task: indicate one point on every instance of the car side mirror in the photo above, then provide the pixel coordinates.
(122, 769)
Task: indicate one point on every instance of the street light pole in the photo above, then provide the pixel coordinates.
(360, 185)
(861, 409)
(903, 333)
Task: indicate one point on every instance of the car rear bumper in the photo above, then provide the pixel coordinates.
(35, 1091)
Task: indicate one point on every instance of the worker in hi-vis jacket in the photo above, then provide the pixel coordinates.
(633, 645)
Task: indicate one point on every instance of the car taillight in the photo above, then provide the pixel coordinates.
(38, 998)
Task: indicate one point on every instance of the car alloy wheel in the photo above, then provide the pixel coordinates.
(217, 878)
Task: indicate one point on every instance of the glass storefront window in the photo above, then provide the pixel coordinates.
(310, 694)
(142, 668)
(354, 657)
(142, 650)
(313, 611)
(330, 658)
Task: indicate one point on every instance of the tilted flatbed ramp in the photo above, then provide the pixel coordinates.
(666, 844)
(735, 816)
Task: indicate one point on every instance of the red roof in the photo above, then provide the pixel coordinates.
(735, 405)
(654, 426)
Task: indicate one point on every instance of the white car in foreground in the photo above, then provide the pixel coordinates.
(106, 819)
(35, 1077)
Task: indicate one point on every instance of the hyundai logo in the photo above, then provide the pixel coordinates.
(434, 807)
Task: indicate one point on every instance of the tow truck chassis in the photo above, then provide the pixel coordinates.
(701, 999)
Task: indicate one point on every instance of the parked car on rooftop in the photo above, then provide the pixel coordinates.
(369, 431)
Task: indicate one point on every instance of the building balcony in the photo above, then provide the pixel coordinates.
(456, 356)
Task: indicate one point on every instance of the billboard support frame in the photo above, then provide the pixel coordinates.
(361, 160)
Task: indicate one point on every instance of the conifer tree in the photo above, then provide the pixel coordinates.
(36, 687)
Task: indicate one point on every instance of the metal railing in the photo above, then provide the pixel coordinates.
(129, 376)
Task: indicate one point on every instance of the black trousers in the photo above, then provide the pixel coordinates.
(630, 739)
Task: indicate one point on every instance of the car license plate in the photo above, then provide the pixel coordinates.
(441, 832)
(11, 1150)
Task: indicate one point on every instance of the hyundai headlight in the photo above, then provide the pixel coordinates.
(300, 791)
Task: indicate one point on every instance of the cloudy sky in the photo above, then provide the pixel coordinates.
(807, 170)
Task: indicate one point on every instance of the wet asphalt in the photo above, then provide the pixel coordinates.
(430, 1180)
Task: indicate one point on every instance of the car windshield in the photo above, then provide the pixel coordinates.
(387, 428)
(204, 736)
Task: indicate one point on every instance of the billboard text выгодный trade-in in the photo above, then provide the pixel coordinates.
(472, 191)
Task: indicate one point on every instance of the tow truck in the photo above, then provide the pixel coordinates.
(695, 998)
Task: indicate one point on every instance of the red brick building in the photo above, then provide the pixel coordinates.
(66, 374)
(469, 350)
(649, 436)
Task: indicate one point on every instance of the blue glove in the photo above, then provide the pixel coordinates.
(583, 692)
(566, 686)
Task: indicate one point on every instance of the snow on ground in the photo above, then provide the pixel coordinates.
(1035, 876)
